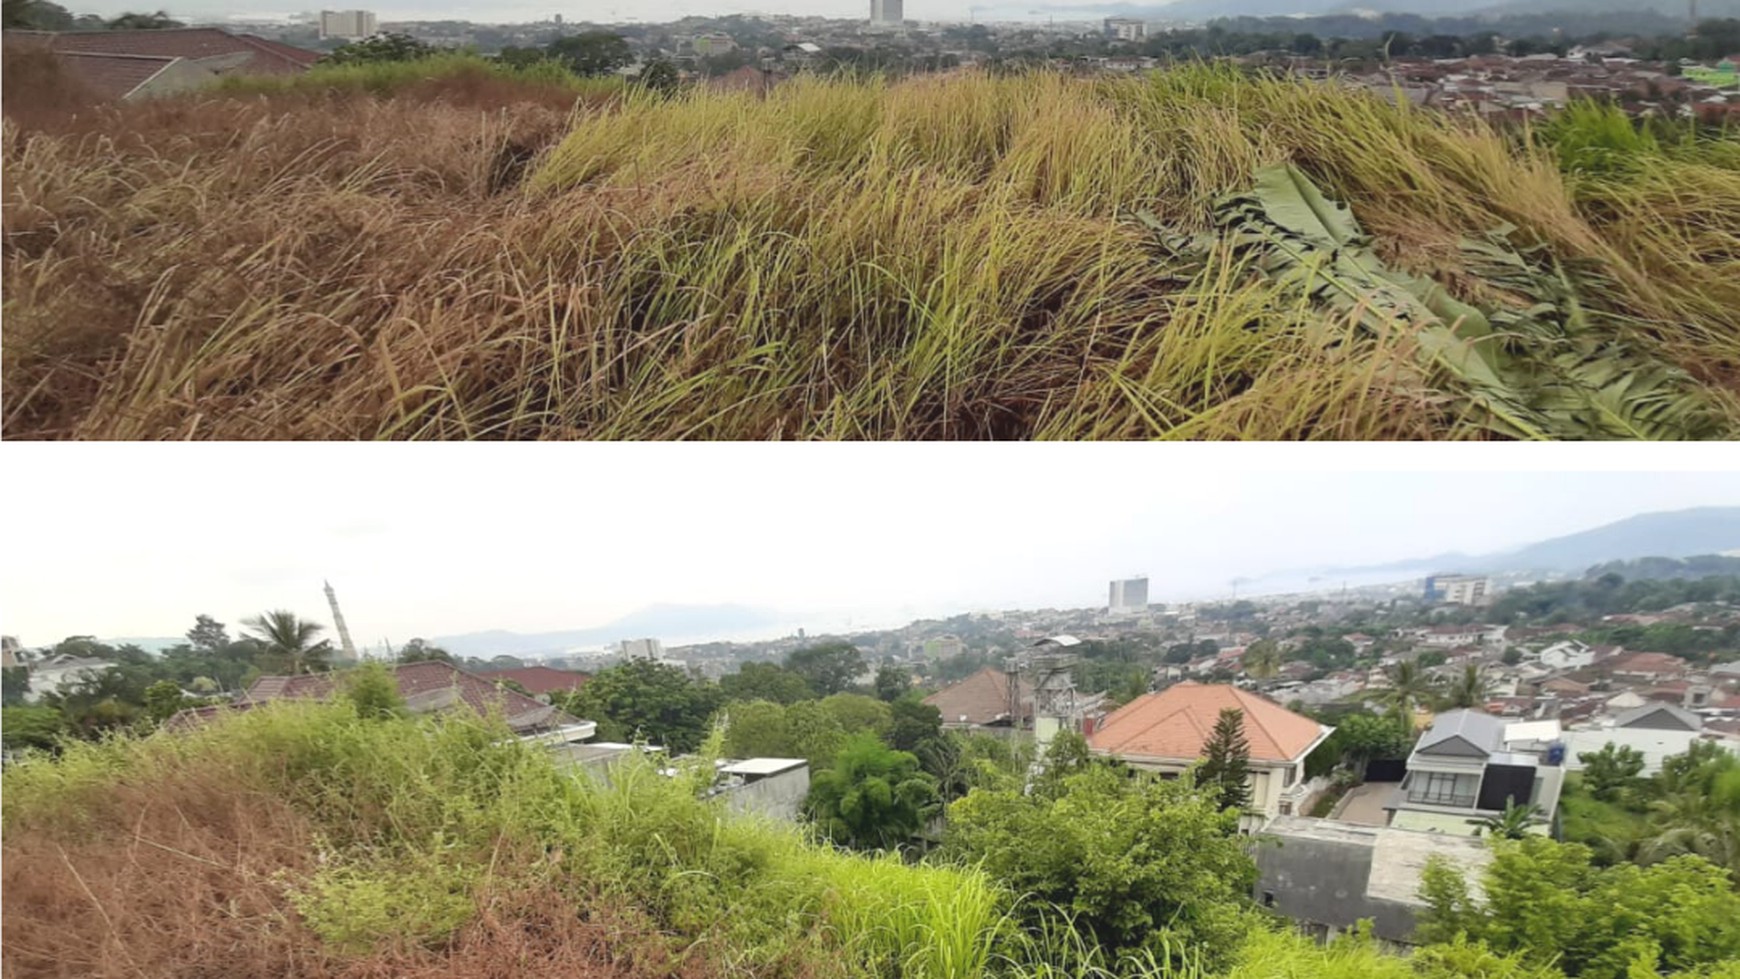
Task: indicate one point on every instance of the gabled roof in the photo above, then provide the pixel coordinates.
(1660, 717)
(428, 686)
(1646, 663)
(1176, 722)
(1462, 733)
(982, 699)
(113, 76)
(254, 55)
(539, 680)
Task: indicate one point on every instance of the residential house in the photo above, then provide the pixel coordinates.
(435, 686)
(61, 672)
(1469, 765)
(131, 65)
(1450, 636)
(989, 700)
(1567, 655)
(1651, 667)
(1563, 686)
(1166, 732)
(1655, 730)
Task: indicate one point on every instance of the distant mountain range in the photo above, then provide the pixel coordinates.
(1675, 534)
(668, 623)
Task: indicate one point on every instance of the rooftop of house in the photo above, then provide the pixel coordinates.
(539, 680)
(982, 698)
(1646, 663)
(428, 686)
(257, 55)
(1176, 722)
(1660, 717)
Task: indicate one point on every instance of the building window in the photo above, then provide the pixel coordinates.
(1443, 789)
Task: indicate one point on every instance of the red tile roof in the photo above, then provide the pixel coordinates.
(253, 55)
(539, 680)
(982, 698)
(1175, 723)
(428, 685)
(112, 76)
(1652, 663)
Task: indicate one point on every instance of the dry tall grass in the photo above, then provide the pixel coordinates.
(946, 257)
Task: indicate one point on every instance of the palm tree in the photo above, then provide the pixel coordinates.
(1469, 689)
(1262, 659)
(285, 634)
(1409, 687)
(1514, 822)
(1706, 824)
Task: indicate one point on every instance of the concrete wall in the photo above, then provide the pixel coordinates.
(1329, 875)
(779, 796)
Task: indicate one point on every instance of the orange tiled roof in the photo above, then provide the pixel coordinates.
(1176, 722)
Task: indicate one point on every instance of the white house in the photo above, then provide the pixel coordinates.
(1469, 765)
(1568, 655)
(1655, 730)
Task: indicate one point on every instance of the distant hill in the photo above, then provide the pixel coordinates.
(668, 623)
(1674, 534)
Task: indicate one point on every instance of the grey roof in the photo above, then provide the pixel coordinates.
(1677, 719)
(1479, 730)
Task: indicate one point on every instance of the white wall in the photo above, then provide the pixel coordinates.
(1655, 745)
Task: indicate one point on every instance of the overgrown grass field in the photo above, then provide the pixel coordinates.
(456, 252)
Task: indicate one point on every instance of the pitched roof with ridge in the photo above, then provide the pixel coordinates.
(428, 685)
(982, 698)
(113, 76)
(255, 55)
(1177, 722)
(1474, 729)
(539, 680)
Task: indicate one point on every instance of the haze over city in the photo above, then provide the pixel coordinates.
(876, 538)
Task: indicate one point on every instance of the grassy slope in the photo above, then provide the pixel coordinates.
(942, 257)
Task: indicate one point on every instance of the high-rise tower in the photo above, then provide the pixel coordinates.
(338, 623)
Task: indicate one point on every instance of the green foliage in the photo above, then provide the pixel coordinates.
(36, 15)
(381, 49)
(373, 692)
(812, 729)
(1132, 860)
(765, 681)
(647, 700)
(592, 52)
(31, 727)
(286, 636)
(758, 729)
(354, 904)
(873, 797)
(1262, 659)
(892, 683)
(1357, 739)
(1612, 771)
(1547, 903)
(208, 635)
(659, 76)
(1514, 822)
(15, 683)
(828, 668)
(163, 699)
(421, 651)
(914, 723)
(856, 712)
(1225, 770)
(1469, 689)
(158, 21)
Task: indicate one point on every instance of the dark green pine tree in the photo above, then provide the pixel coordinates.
(1227, 765)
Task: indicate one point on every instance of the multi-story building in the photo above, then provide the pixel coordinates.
(1470, 765)
(887, 13)
(1458, 589)
(1166, 732)
(1129, 596)
(1126, 29)
(643, 649)
(348, 25)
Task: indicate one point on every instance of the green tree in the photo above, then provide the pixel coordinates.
(159, 21)
(828, 668)
(1469, 689)
(1130, 859)
(646, 699)
(858, 713)
(914, 723)
(765, 681)
(1409, 687)
(14, 685)
(873, 797)
(592, 52)
(422, 651)
(1225, 769)
(1612, 771)
(1262, 659)
(208, 635)
(660, 76)
(163, 699)
(379, 49)
(892, 683)
(31, 727)
(1512, 656)
(37, 15)
(1514, 822)
(758, 729)
(373, 692)
(284, 635)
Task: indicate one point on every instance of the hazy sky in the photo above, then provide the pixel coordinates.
(124, 540)
(601, 11)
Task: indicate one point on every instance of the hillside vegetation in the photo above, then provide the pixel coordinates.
(451, 252)
(334, 840)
